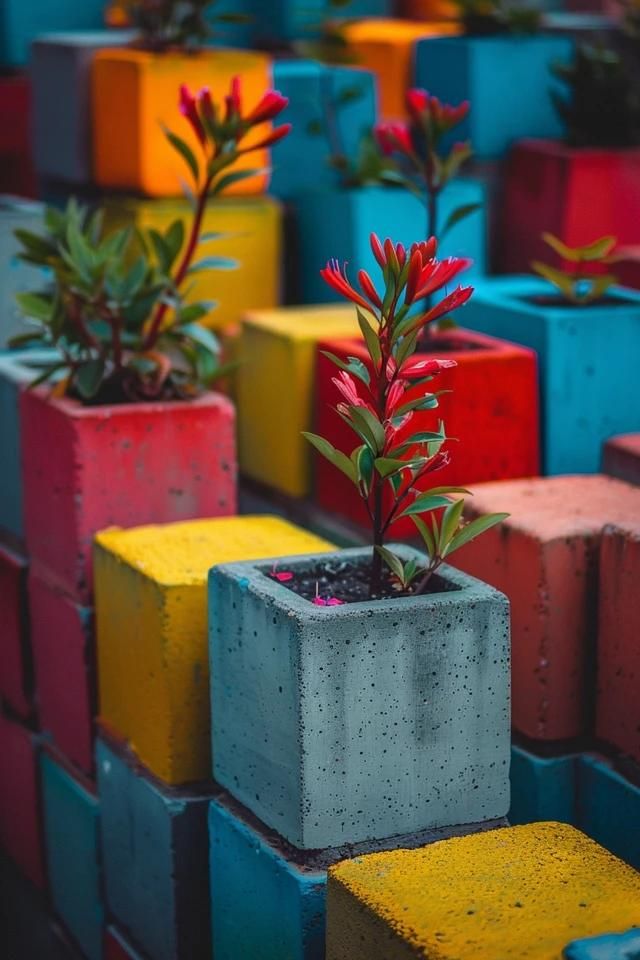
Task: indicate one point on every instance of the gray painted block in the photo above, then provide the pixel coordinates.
(15, 276)
(358, 722)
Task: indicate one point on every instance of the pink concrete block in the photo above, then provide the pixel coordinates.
(545, 558)
(20, 824)
(64, 655)
(618, 704)
(87, 468)
(621, 457)
(16, 667)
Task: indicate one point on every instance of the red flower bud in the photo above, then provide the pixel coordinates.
(417, 102)
(424, 368)
(269, 107)
(368, 288)
(188, 109)
(392, 137)
(377, 250)
(233, 100)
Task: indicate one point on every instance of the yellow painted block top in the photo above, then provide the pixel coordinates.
(308, 324)
(520, 892)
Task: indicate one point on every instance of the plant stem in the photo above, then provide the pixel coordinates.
(431, 569)
(334, 135)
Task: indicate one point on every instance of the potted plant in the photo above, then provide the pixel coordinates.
(547, 181)
(587, 375)
(378, 661)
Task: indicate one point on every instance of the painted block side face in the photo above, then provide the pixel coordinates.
(151, 623)
(262, 905)
(63, 651)
(609, 811)
(542, 788)
(612, 946)
(621, 458)
(71, 816)
(20, 831)
(155, 853)
(22, 22)
(491, 70)
(185, 451)
(541, 884)
(16, 168)
(331, 764)
(15, 276)
(130, 150)
(16, 675)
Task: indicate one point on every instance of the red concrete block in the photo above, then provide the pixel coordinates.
(64, 655)
(627, 270)
(20, 825)
(116, 946)
(16, 170)
(492, 411)
(621, 457)
(87, 468)
(545, 558)
(618, 703)
(545, 188)
(16, 667)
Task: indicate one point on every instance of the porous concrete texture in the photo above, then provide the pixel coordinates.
(621, 457)
(155, 854)
(542, 788)
(545, 558)
(610, 946)
(520, 892)
(151, 629)
(362, 721)
(16, 674)
(20, 826)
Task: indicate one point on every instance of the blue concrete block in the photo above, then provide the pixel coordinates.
(15, 276)
(612, 946)
(21, 21)
(71, 825)
(301, 161)
(506, 79)
(588, 376)
(609, 809)
(155, 858)
(542, 788)
(337, 223)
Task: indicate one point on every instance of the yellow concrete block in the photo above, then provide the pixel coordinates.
(252, 236)
(275, 384)
(386, 48)
(520, 892)
(134, 92)
(151, 629)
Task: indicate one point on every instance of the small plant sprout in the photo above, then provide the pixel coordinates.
(282, 576)
(381, 399)
(581, 284)
(319, 601)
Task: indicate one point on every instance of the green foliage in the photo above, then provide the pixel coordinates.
(582, 284)
(489, 17)
(175, 23)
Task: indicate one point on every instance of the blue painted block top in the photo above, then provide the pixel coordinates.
(22, 20)
(610, 946)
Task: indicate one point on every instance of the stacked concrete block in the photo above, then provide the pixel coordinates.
(20, 824)
(621, 457)
(16, 675)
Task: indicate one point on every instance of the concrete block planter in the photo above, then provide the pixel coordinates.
(15, 277)
(496, 70)
(371, 698)
(492, 411)
(151, 631)
(20, 829)
(70, 814)
(545, 558)
(184, 450)
(16, 676)
(609, 809)
(621, 458)
(610, 946)
(542, 788)
(545, 186)
(16, 167)
(337, 223)
(20, 23)
(155, 858)
(587, 377)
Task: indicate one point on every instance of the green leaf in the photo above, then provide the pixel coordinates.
(47, 373)
(425, 502)
(562, 281)
(230, 178)
(473, 529)
(393, 562)
(386, 466)
(213, 263)
(370, 338)
(426, 535)
(185, 152)
(192, 313)
(456, 216)
(22, 339)
(336, 457)
(174, 239)
(88, 377)
(201, 335)
(351, 365)
(364, 418)
(36, 305)
(450, 523)
(600, 285)
(362, 459)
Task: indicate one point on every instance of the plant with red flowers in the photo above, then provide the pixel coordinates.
(376, 407)
(165, 24)
(115, 310)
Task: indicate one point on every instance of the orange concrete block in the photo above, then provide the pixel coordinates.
(135, 92)
(618, 701)
(429, 9)
(621, 457)
(545, 558)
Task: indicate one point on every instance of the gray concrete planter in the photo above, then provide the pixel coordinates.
(359, 722)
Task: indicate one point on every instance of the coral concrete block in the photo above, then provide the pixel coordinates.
(522, 891)
(609, 809)
(16, 663)
(542, 788)
(71, 813)
(116, 946)
(151, 629)
(21, 22)
(135, 92)
(306, 733)
(338, 223)
(545, 558)
(302, 160)
(20, 831)
(155, 853)
(492, 412)
(275, 386)
(587, 378)
(388, 47)
(15, 276)
(16, 168)
(251, 233)
(618, 706)
(545, 186)
(63, 653)
(175, 461)
(621, 457)
(610, 946)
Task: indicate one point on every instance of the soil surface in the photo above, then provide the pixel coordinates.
(555, 300)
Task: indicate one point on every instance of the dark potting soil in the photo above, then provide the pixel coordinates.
(555, 300)
(442, 344)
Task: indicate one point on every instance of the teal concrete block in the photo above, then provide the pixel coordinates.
(301, 161)
(15, 276)
(281, 20)
(338, 223)
(71, 824)
(609, 808)
(358, 722)
(611, 946)
(22, 21)
(506, 79)
(587, 376)
(542, 788)
(155, 858)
